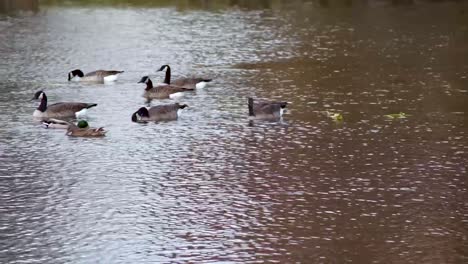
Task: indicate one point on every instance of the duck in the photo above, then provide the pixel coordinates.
(82, 129)
(163, 91)
(99, 76)
(266, 109)
(59, 110)
(184, 82)
(55, 123)
(157, 113)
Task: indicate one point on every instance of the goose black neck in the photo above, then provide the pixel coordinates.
(149, 85)
(251, 105)
(43, 106)
(167, 79)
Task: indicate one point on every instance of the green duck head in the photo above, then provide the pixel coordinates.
(82, 124)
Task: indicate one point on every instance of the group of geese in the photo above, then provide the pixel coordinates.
(53, 115)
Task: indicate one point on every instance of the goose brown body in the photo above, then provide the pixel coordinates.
(266, 109)
(160, 91)
(58, 110)
(183, 82)
(158, 113)
(99, 76)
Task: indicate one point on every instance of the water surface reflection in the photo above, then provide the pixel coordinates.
(214, 186)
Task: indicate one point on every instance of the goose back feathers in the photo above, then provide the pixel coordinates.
(266, 109)
(158, 113)
(183, 82)
(62, 109)
(99, 76)
(161, 91)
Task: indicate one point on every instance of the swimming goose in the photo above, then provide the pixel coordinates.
(184, 82)
(64, 109)
(158, 113)
(265, 109)
(99, 76)
(161, 91)
(83, 130)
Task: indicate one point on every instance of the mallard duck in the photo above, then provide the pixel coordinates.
(59, 110)
(99, 76)
(55, 123)
(158, 113)
(162, 91)
(83, 130)
(266, 109)
(184, 82)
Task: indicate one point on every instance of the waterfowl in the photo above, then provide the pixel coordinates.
(63, 109)
(83, 130)
(99, 76)
(266, 109)
(184, 82)
(158, 113)
(55, 123)
(161, 91)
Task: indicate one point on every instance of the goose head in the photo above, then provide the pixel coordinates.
(75, 73)
(142, 112)
(38, 95)
(145, 79)
(163, 67)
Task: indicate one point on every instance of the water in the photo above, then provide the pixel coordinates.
(214, 186)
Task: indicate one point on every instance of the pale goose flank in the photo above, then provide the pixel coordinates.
(162, 91)
(99, 76)
(266, 109)
(158, 113)
(63, 109)
(184, 82)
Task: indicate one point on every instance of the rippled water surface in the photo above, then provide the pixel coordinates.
(215, 186)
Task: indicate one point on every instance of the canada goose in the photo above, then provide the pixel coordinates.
(99, 76)
(83, 130)
(64, 109)
(158, 113)
(161, 91)
(266, 110)
(184, 82)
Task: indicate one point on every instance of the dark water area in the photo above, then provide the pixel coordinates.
(214, 186)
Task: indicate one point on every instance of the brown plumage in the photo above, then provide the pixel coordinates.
(58, 110)
(98, 76)
(266, 109)
(158, 113)
(75, 131)
(183, 82)
(160, 91)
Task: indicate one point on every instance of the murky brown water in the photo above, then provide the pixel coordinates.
(212, 186)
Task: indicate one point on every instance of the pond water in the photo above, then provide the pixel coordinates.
(213, 186)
